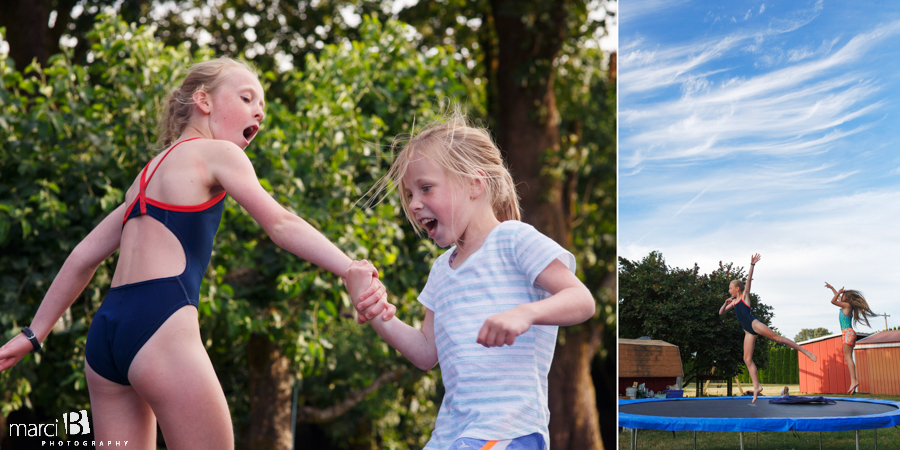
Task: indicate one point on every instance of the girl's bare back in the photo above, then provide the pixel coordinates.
(148, 250)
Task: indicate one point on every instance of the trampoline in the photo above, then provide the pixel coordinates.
(737, 414)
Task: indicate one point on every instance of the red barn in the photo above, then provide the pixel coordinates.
(878, 363)
(657, 364)
(829, 374)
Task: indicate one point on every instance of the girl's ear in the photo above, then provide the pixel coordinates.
(202, 100)
(477, 184)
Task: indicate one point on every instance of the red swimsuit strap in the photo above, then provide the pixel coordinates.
(142, 197)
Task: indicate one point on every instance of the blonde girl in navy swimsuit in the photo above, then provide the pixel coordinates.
(854, 308)
(145, 361)
(740, 301)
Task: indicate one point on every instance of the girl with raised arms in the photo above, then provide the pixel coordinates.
(145, 361)
(854, 308)
(740, 301)
(493, 301)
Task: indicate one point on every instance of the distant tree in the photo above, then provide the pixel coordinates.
(811, 333)
(681, 306)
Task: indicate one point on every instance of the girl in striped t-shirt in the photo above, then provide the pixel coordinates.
(493, 301)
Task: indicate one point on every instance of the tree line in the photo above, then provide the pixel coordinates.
(681, 306)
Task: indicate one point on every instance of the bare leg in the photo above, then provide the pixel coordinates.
(749, 345)
(173, 373)
(848, 356)
(119, 413)
(765, 331)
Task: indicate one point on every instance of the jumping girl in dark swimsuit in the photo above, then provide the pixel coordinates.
(145, 360)
(740, 301)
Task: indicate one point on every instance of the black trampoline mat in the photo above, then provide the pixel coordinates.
(741, 408)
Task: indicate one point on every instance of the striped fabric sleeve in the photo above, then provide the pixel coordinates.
(534, 252)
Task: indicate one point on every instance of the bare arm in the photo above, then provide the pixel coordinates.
(837, 295)
(73, 277)
(570, 302)
(727, 305)
(416, 345)
(231, 168)
(753, 260)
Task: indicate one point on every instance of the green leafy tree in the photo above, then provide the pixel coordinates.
(811, 333)
(572, 163)
(681, 306)
(76, 135)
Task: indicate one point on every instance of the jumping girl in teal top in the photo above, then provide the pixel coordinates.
(854, 308)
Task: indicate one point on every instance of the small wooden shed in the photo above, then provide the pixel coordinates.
(657, 364)
(829, 374)
(878, 363)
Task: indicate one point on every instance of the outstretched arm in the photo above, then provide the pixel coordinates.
(68, 284)
(416, 345)
(753, 260)
(231, 168)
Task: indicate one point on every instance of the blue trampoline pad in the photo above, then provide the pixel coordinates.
(738, 414)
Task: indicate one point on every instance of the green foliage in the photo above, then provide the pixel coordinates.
(811, 333)
(783, 367)
(75, 138)
(681, 306)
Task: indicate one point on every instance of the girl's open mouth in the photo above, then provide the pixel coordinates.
(430, 225)
(250, 131)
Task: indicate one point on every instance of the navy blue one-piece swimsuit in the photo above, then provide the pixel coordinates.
(131, 313)
(745, 317)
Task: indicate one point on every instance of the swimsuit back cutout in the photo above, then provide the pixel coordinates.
(194, 226)
(846, 321)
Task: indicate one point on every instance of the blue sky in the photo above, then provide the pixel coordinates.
(769, 127)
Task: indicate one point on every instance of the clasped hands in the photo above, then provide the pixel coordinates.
(361, 276)
(373, 301)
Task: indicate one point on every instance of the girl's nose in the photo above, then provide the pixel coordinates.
(415, 204)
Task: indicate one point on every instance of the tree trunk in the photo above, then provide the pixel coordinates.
(26, 30)
(528, 123)
(270, 396)
(574, 423)
(528, 131)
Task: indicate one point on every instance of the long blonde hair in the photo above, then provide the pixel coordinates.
(858, 306)
(175, 112)
(465, 151)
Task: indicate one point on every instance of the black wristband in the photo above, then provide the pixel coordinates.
(31, 337)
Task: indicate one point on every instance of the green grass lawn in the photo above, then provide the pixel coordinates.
(888, 438)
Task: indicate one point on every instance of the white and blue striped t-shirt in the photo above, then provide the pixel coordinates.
(499, 392)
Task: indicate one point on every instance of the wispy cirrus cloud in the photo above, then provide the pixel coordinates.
(798, 108)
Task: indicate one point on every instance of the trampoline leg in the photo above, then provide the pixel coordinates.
(820, 440)
(634, 439)
(741, 433)
(857, 439)
(695, 440)
(876, 438)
